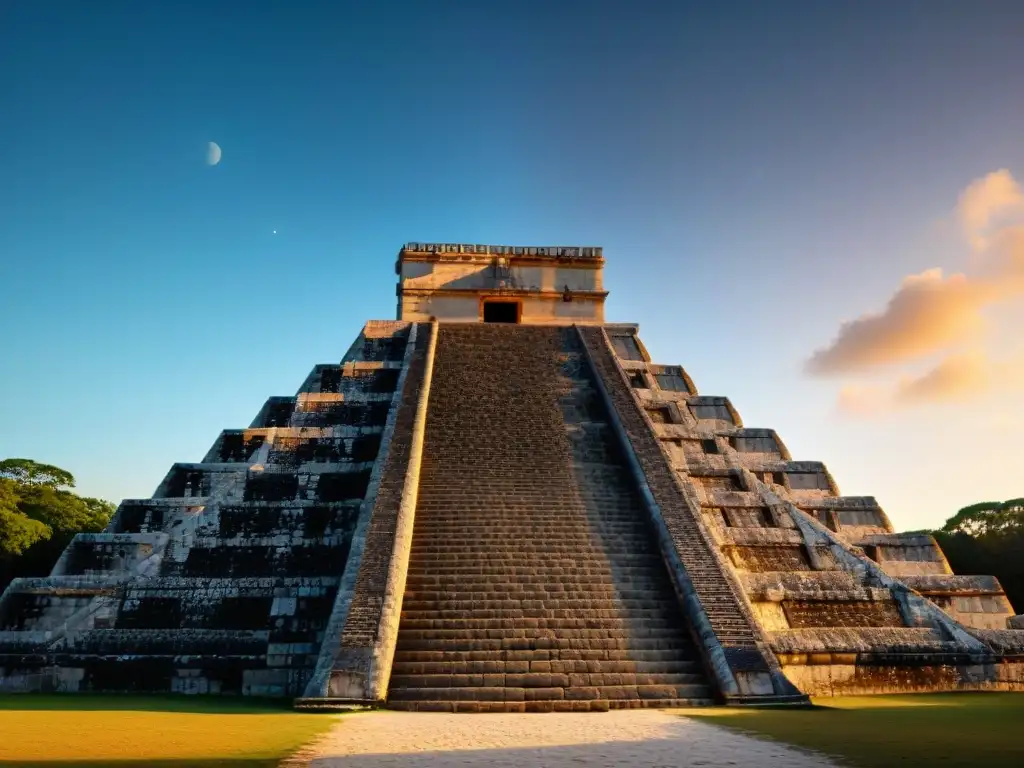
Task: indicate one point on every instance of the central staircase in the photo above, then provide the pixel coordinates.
(535, 582)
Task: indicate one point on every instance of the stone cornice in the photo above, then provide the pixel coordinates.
(513, 260)
(405, 290)
(543, 251)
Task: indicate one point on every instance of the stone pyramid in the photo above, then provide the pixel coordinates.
(498, 503)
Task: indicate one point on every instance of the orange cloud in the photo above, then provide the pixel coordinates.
(957, 378)
(928, 313)
(1003, 261)
(931, 313)
(863, 402)
(985, 200)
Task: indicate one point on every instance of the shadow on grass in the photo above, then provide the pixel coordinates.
(220, 705)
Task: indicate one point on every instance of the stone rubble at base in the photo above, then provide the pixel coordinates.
(509, 516)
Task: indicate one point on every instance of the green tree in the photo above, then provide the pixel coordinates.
(40, 514)
(28, 472)
(18, 531)
(988, 538)
(988, 518)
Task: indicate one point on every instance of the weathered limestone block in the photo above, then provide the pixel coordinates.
(769, 557)
(758, 447)
(112, 553)
(1005, 641)
(758, 537)
(770, 614)
(902, 554)
(892, 640)
(777, 586)
(852, 517)
(714, 412)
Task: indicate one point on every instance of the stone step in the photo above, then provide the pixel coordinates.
(501, 582)
(565, 705)
(487, 593)
(632, 632)
(429, 620)
(454, 578)
(673, 666)
(576, 549)
(600, 592)
(626, 519)
(636, 622)
(526, 541)
(554, 568)
(534, 490)
(540, 616)
(568, 607)
(497, 479)
(545, 679)
(529, 541)
(438, 510)
(505, 643)
(496, 531)
(582, 560)
(552, 693)
(541, 590)
(648, 598)
(546, 503)
(475, 580)
(568, 522)
(527, 557)
(532, 560)
(521, 519)
(546, 654)
(514, 537)
(472, 585)
(502, 479)
(533, 484)
(449, 578)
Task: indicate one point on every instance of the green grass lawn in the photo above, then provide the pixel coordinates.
(944, 730)
(159, 731)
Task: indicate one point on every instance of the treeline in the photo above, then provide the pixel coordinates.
(988, 538)
(39, 515)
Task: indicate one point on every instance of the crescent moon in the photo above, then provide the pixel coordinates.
(212, 153)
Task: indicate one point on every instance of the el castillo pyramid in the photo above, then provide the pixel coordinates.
(498, 502)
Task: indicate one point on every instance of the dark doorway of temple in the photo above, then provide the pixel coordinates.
(501, 312)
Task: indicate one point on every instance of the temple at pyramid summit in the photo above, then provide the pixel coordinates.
(498, 502)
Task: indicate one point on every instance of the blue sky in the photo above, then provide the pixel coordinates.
(758, 173)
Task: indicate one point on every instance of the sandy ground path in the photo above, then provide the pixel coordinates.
(635, 738)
